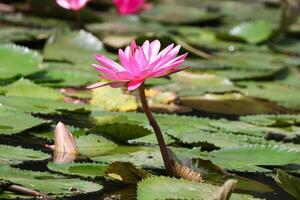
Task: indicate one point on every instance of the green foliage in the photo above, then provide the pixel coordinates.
(171, 188)
(80, 169)
(27, 88)
(270, 91)
(93, 145)
(289, 183)
(12, 122)
(74, 47)
(16, 155)
(18, 61)
(113, 99)
(56, 185)
(37, 105)
(184, 15)
(272, 120)
(251, 157)
(252, 32)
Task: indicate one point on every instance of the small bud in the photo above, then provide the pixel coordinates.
(64, 141)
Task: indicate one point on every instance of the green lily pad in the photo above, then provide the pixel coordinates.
(27, 88)
(77, 47)
(80, 169)
(253, 32)
(251, 157)
(93, 145)
(113, 99)
(12, 122)
(37, 105)
(170, 188)
(16, 155)
(272, 120)
(18, 61)
(176, 14)
(269, 91)
(46, 183)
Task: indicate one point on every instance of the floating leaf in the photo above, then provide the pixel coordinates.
(61, 74)
(112, 99)
(18, 61)
(250, 157)
(126, 172)
(176, 14)
(16, 155)
(142, 156)
(253, 32)
(74, 47)
(171, 188)
(47, 183)
(80, 169)
(12, 122)
(270, 91)
(272, 120)
(93, 145)
(37, 105)
(27, 88)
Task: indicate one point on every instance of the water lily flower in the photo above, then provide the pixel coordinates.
(72, 4)
(139, 63)
(130, 7)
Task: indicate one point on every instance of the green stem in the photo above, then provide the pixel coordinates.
(161, 142)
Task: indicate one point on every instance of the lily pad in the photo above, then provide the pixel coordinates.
(251, 157)
(80, 169)
(16, 155)
(27, 88)
(253, 32)
(77, 47)
(12, 122)
(113, 99)
(18, 61)
(56, 185)
(176, 14)
(37, 105)
(93, 145)
(171, 188)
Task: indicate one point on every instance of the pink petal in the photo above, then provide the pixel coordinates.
(127, 7)
(72, 4)
(170, 62)
(146, 49)
(155, 47)
(124, 59)
(132, 85)
(102, 84)
(103, 69)
(109, 63)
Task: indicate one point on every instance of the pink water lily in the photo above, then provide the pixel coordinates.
(72, 4)
(139, 63)
(129, 7)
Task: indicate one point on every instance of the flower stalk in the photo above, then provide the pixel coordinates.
(161, 142)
